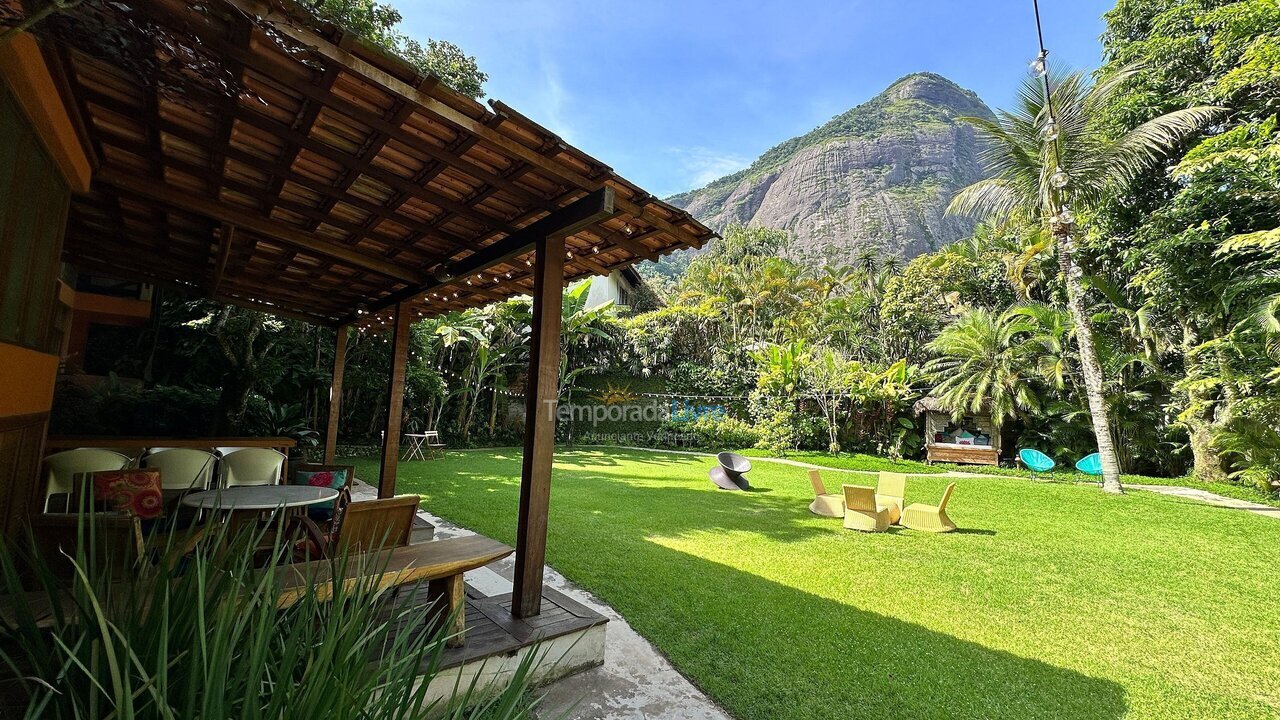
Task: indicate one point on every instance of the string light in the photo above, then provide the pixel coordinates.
(1059, 178)
(1050, 131)
(628, 230)
(1062, 222)
(1040, 66)
(595, 249)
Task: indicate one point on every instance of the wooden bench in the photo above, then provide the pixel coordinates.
(439, 563)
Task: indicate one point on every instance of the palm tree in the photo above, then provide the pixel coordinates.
(1044, 158)
(983, 365)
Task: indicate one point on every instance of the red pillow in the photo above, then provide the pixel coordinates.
(136, 492)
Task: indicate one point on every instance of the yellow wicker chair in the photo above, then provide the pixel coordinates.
(861, 511)
(891, 492)
(930, 518)
(824, 503)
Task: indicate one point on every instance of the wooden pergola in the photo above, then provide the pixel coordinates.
(320, 178)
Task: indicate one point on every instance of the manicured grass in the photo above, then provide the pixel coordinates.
(1055, 601)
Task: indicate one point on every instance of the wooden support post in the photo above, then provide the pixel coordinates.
(541, 397)
(395, 402)
(335, 395)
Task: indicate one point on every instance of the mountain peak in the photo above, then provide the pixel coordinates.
(877, 176)
(931, 88)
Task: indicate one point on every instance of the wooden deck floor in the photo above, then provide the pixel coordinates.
(491, 630)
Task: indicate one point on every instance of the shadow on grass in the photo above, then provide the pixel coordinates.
(768, 650)
(762, 648)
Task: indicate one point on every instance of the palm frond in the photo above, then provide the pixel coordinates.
(992, 197)
(1145, 145)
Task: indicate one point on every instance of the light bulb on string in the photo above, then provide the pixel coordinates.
(1066, 218)
(1059, 179)
(1040, 66)
(1050, 131)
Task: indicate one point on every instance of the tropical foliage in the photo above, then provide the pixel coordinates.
(1153, 325)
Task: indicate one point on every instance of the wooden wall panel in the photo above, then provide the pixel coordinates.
(34, 197)
(21, 447)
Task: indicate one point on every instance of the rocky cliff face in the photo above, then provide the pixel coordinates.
(878, 176)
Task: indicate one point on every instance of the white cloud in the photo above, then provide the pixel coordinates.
(698, 165)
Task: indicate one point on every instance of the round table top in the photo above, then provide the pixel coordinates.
(259, 497)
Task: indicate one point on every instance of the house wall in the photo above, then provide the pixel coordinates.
(38, 170)
(609, 288)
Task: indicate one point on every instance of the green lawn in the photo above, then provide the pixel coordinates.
(1055, 601)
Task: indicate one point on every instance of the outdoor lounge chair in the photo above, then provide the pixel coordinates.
(182, 469)
(861, 511)
(1035, 461)
(735, 468)
(251, 466)
(930, 518)
(68, 469)
(377, 524)
(891, 492)
(824, 503)
(1090, 464)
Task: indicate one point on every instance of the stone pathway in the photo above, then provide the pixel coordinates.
(635, 683)
(1210, 498)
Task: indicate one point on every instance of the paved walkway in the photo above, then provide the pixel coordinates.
(635, 683)
(1210, 498)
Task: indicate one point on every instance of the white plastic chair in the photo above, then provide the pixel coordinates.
(182, 468)
(69, 467)
(251, 466)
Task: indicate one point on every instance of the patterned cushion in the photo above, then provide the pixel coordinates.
(336, 479)
(136, 492)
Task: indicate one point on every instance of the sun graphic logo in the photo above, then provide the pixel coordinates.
(615, 394)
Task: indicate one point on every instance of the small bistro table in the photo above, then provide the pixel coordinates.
(259, 498)
(241, 505)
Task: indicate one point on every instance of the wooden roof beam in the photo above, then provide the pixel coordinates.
(333, 53)
(223, 212)
(564, 222)
(226, 236)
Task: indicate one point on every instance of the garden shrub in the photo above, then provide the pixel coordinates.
(721, 432)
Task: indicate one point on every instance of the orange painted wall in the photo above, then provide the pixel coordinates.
(26, 380)
(25, 72)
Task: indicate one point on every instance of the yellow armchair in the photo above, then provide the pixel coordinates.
(861, 511)
(824, 503)
(930, 518)
(891, 492)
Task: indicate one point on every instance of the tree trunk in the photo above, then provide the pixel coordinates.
(233, 401)
(1089, 365)
(1207, 463)
(493, 412)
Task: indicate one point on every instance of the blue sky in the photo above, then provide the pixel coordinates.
(675, 94)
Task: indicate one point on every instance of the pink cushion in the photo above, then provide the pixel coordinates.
(136, 492)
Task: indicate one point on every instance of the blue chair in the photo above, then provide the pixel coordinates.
(1090, 464)
(1035, 460)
